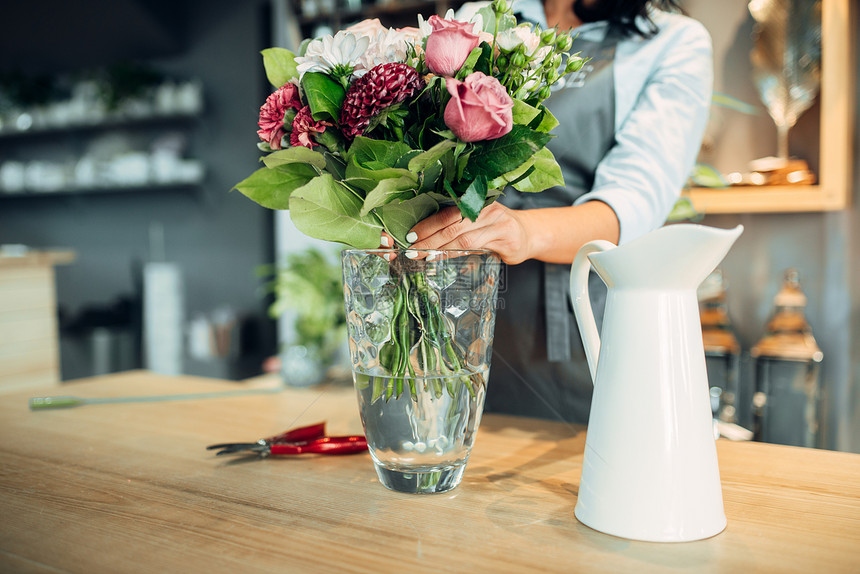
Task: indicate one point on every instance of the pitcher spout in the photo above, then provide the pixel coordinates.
(676, 256)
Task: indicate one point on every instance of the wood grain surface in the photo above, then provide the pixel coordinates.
(131, 488)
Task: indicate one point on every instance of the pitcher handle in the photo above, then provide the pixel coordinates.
(582, 303)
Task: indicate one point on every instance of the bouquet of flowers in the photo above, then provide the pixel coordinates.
(374, 128)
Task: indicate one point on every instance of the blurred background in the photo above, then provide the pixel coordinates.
(124, 124)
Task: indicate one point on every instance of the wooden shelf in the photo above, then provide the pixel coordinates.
(838, 76)
(105, 189)
(110, 123)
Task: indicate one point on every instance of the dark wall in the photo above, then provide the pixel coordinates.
(217, 237)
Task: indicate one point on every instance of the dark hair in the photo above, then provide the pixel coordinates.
(626, 11)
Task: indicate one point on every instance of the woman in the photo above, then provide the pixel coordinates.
(631, 125)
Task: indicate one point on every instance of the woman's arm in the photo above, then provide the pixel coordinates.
(635, 184)
(552, 234)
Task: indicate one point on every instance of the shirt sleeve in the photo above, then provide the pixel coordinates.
(643, 174)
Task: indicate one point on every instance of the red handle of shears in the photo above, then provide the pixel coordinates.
(326, 445)
(301, 434)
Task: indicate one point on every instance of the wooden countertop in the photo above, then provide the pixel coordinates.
(130, 488)
(37, 258)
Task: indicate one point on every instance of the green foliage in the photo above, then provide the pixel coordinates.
(309, 282)
(280, 66)
(408, 164)
(326, 209)
(494, 158)
(324, 95)
(272, 187)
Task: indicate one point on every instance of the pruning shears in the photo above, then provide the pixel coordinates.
(302, 440)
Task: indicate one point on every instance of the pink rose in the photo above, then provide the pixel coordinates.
(449, 44)
(272, 114)
(304, 126)
(480, 108)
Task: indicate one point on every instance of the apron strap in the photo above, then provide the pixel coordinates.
(555, 289)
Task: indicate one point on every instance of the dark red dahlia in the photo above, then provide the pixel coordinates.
(383, 86)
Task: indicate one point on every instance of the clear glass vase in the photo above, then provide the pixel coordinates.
(420, 341)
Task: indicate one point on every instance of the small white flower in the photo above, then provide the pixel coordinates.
(510, 39)
(389, 46)
(342, 51)
(539, 56)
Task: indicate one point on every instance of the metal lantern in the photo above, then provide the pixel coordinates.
(787, 367)
(722, 350)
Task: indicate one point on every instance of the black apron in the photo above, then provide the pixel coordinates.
(539, 367)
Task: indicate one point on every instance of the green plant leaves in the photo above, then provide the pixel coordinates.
(706, 176)
(374, 161)
(328, 210)
(297, 154)
(387, 191)
(472, 200)
(375, 154)
(280, 66)
(480, 59)
(538, 118)
(401, 216)
(324, 95)
(546, 174)
(436, 153)
(499, 156)
(272, 187)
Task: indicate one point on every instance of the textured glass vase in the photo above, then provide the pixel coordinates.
(420, 341)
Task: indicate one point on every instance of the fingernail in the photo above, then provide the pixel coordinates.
(411, 254)
(386, 241)
(387, 256)
(411, 237)
(431, 257)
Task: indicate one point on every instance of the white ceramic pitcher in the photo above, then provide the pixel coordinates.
(650, 466)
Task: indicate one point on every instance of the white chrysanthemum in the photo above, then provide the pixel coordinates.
(388, 47)
(337, 53)
(510, 39)
(424, 26)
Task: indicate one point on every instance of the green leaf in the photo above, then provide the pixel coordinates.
(436, 153)
(430, 177)
(469, 64)
(523, 113)
(358, 172)
(387, 191)
(548, 122)
(324, 95)
(546, 174)
(365, 184)
(296, 154)
(706, 176)
(485, 61)
(496, 157)
(403, 161)
(398, 217)
(506, 178)
(472, 200)
(489, 18)
(280, 66)
(335, 165)
(327, 210)
(684, 210)
(381, 152)
(272, 187)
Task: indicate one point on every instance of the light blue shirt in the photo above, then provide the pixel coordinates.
(663, 90)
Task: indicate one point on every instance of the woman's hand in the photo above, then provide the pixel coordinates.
(497, 228)
(552, 234)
